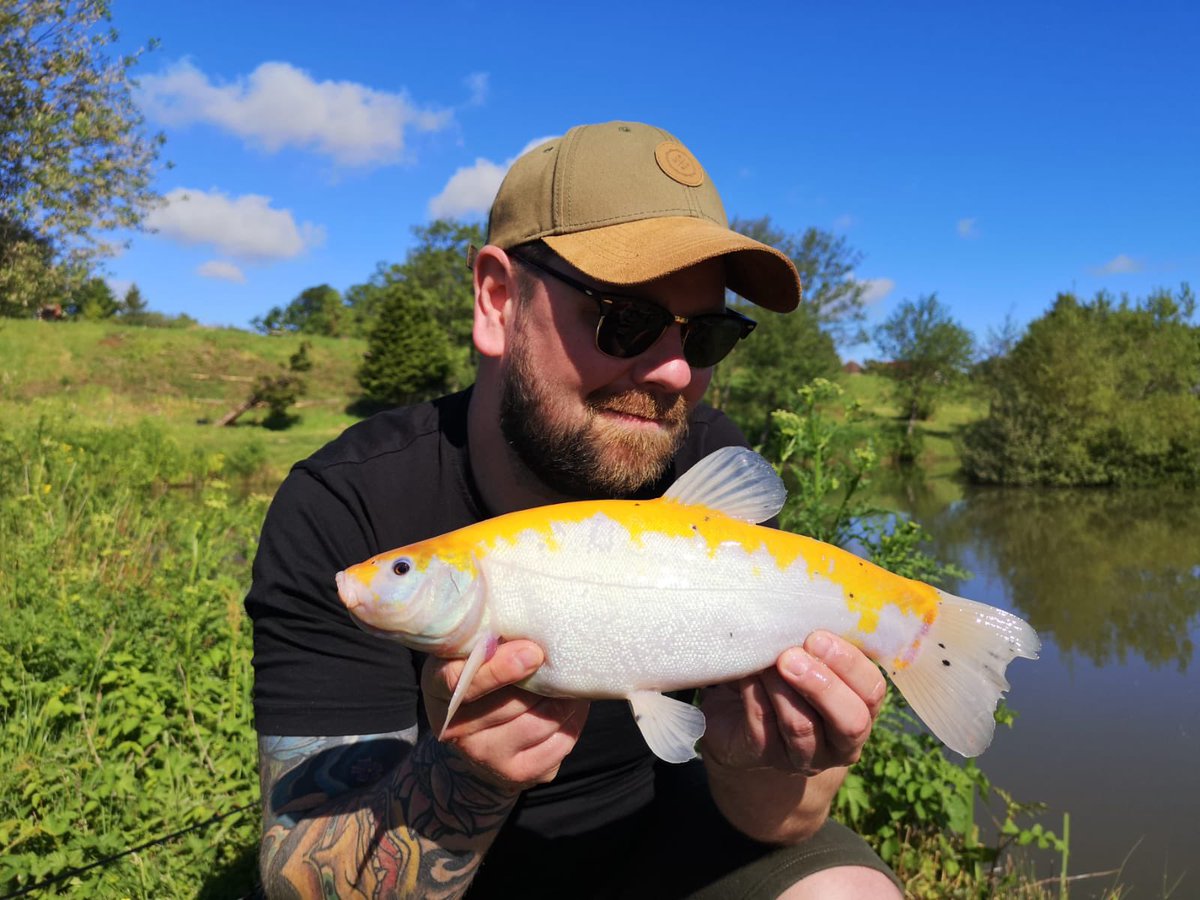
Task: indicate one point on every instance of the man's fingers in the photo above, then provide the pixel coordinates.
(851, 665)
(845, 716)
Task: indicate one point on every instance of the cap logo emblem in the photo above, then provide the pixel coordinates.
(678, 164)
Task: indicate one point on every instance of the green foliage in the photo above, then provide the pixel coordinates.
(278, 392)
(124, 663)
(94, 299)
(74, 162)
(1095, 393)
(133, 304)
(419, 315)
(317, 310)
(788, 350)
(929, 354)
(826, 265)
(915, 806)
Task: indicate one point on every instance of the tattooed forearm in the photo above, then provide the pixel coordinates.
(420, 831)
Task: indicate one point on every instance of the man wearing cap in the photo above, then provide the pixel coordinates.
(599, 313)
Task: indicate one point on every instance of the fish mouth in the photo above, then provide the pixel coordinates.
(346, 593)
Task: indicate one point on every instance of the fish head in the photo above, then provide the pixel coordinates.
(411, 598)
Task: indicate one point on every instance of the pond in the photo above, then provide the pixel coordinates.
(1108, 719)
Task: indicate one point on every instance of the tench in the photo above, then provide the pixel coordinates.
(631, 598)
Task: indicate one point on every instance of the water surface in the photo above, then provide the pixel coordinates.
(1108, 725)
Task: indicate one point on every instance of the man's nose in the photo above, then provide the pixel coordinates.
(663, 364)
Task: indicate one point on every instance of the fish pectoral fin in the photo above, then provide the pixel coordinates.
(483, 650)
(670, 727)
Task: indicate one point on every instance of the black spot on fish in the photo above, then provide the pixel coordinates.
(695, 528)
(940, 644)
(945, 662)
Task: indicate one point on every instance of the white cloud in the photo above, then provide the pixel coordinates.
(471, 189)
(477, 84)
(243, 227)
(1120, 265)
(875, 289)
(968, 228)
(222, 270)
(278, 105)
(844, 222)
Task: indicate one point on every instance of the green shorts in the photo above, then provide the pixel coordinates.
(678, 848)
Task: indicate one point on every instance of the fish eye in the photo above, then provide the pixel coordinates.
(401, 567)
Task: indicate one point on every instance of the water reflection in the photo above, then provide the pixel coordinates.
(1110, 577)
(1104, 573)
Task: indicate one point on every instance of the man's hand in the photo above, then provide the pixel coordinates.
(813, 711)
(510, 737)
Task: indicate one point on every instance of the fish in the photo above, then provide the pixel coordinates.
(632, 599)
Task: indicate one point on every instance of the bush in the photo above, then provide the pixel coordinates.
(1099, 393)
(124, 665)
(912, 804)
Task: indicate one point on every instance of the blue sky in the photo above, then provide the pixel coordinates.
(992, 153)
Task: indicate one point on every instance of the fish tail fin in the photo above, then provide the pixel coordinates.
(956, 678)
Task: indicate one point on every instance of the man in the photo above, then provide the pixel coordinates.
(599, 313)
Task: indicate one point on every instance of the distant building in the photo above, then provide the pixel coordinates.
(852, 368)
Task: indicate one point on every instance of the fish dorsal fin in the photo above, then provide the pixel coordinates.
(734, 481)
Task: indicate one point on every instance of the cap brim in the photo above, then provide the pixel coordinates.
(641, 251)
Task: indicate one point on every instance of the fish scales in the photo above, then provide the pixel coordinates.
(635, 598)
(725, 606)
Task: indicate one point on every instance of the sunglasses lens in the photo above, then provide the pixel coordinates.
(628, 328)
(709, 340)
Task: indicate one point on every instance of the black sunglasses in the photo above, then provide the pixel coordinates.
(630, 326)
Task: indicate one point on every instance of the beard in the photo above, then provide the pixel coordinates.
(592, 458)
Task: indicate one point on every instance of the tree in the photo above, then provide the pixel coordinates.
(409, 357)
(133, 305)
(276, 392)
(74, 161)
(317, 310)
(418, 317)
(1100, 392)
(826, 265)
(929, 355)
(785, 352)
(94, 299)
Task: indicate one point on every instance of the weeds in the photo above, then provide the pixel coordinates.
(913, 804)
(125, 661)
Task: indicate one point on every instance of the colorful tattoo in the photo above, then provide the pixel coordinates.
(373, 816)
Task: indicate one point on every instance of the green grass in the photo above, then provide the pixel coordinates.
(106, 374)
(939, 457)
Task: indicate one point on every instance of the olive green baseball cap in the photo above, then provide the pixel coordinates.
(626, 203)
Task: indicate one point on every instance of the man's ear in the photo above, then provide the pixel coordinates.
(495, 300)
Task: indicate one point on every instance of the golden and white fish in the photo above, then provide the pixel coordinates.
(631, 598)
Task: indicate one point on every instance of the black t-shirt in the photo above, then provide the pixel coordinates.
(404, 476)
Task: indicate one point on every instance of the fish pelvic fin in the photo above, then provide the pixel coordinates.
(669, 726)
(734, 481)
(956, 678)
(483, 650)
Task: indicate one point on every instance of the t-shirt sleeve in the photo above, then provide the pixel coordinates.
(316, 671)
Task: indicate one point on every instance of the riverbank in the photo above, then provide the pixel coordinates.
(126, 689)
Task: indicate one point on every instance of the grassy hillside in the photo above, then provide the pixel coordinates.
(939, 457)
(106, 374)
